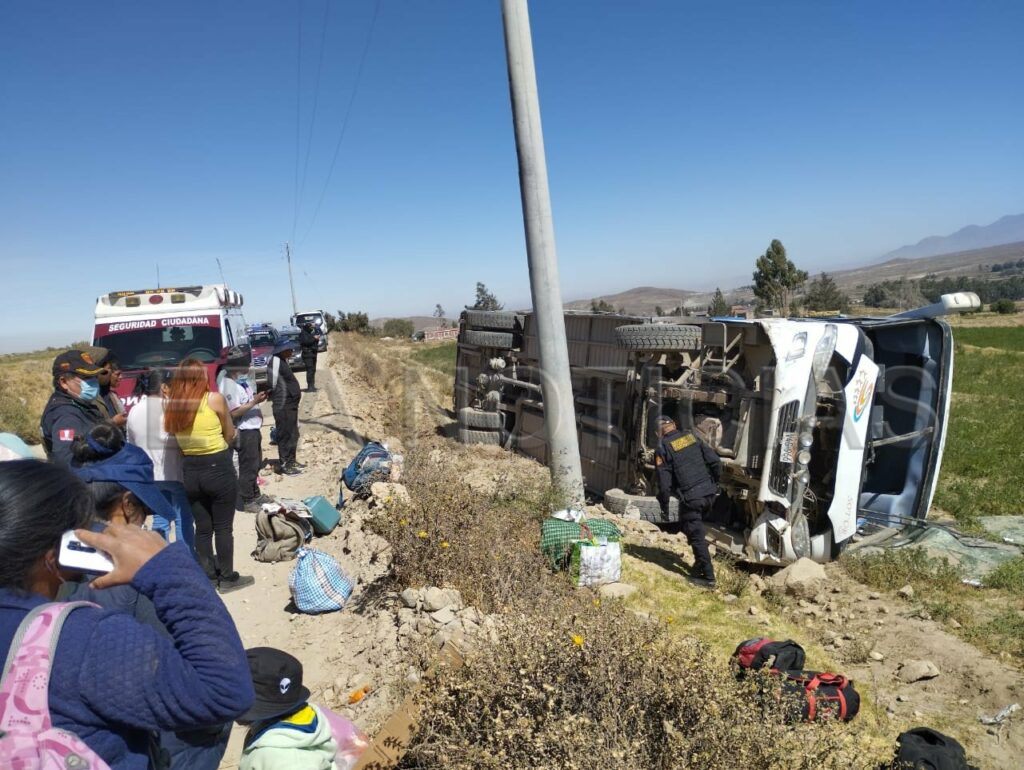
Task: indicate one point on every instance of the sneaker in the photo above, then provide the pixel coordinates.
(252, 507)
(291, 470)
(263, 499)
(297, 464)
(233, 582)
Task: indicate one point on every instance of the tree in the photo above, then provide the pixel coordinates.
(331, 322)
(439, 314)
(777, 279)
(659, 310)
(485, 300)
(600, 306)
(398, 327)
(823, 294)
(875, 296)
(354, 322)
(718, 304)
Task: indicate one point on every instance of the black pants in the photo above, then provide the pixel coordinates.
(691, 521)
(250, 458)
(287, 422)
(309, 361)
(211, 486)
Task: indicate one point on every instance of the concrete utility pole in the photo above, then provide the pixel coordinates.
(291, 281)
(556, 382)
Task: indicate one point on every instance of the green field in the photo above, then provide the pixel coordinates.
(440, 356)
(982, 468)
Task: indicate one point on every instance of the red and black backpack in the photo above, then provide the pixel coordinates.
(755, 654)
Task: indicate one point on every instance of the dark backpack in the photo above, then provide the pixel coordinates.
(373, 463)
(925, 749)
(817, 696)
(279, 535)
(755, 654)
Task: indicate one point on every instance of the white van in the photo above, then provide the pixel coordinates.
(316, 317)
(161, 327)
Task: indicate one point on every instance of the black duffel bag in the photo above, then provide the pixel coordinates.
(925, 749)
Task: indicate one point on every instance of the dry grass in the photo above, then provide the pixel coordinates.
(580, 685)
(25, 386)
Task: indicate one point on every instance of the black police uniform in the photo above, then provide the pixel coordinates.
(689, 469)
(285, 396)
(309, 343)
(64, 419)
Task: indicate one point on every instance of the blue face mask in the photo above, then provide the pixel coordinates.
(90, 389)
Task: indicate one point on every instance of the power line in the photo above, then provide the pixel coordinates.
(316, 101)
(344, 122)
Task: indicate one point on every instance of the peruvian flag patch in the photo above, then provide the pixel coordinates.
(66, 434)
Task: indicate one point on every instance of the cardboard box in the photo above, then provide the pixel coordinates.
(392, 741)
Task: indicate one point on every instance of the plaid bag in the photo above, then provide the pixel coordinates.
(317, 583)
(557, 537)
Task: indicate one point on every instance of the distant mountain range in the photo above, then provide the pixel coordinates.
(1008, 229)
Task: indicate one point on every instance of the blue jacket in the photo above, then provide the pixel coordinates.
(114, 681)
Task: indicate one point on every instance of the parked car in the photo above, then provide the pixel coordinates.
(290, 334)
(319, 320)
(262, 339)
(820, 423)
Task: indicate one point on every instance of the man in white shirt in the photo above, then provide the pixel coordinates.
(244, 405)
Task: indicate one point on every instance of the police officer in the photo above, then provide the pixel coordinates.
(309, 341)
(71, 410)
(285, 396)
(688, 469)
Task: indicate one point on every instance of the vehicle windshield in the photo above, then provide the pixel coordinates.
(307, 318)
(142, 348)
(289, 336)
(261, 339)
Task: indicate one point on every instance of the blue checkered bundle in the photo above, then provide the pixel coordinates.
(317, 583)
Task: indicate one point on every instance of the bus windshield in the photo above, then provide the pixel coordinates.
(161, 346)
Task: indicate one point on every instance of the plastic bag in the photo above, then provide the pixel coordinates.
(595, 562)
(350, 739)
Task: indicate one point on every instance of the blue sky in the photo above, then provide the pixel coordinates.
(681, 138)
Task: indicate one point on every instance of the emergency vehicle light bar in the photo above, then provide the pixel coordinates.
(193, 290)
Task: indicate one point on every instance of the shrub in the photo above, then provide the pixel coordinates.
(582, 684)
(891, 569)
(1009, 575)
(1004, 306)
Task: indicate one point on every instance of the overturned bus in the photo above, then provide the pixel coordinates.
(821, 423)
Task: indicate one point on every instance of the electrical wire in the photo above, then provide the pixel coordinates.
(345, 118)
(316, 101)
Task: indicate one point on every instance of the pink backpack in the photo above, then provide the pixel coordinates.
(28, 739)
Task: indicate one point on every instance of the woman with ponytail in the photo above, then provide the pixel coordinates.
(201, 422)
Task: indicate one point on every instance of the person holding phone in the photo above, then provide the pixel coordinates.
(120, 479)
(115, 681)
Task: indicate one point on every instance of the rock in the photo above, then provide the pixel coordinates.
(405, 615)
(410, 597)
(424, 626)
(406, 629)
(883, 610)
(907, 592)
(874, 596)
(953, 623)
(803, 578)
(435, 599)
(443, 616)
(902, 698)
(820, 598)
(913, 670)
(730, 598)
(752, 610)
(876, 656)
(472, 615)
(616, 590)
(836, 589)
(632, 513)
(470, 627)
(766, 621)
(384, 492)
(757, 584)
(803, 604)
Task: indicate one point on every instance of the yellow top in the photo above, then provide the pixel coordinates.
(205, 436)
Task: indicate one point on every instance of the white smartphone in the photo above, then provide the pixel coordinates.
(76, 555)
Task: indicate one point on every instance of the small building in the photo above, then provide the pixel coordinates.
(440, 333)
(742, 311)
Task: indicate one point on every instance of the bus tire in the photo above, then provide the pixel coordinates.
(469, 436)
(659, 337)
(616, 501)
(502, 340)
(478, 418)
(490, 319)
